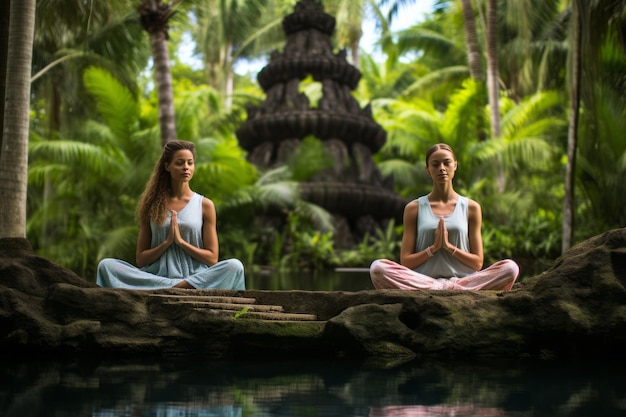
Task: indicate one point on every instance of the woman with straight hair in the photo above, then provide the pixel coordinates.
(442, 247)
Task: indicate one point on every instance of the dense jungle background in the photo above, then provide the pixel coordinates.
(95, 130)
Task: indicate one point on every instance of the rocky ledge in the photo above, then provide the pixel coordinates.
(575, 309)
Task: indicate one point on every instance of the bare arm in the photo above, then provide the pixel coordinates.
(145, 255)
(210, 253)
(408, 256)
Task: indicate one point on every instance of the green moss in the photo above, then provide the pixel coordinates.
(300, 329)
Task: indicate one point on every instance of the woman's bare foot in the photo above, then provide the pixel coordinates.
(184, 284)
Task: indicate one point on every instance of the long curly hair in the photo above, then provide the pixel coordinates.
(152, 205)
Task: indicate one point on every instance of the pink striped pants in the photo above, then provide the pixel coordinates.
(387, 274)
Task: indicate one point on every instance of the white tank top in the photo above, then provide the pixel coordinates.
(443, 264)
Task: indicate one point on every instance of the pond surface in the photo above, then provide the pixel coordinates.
(311, 388)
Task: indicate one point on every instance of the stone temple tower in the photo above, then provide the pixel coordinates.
(353, 190)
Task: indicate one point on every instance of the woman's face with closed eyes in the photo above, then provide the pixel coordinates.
(441, 165)
(181, 168)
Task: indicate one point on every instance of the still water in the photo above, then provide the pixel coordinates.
(310, 388)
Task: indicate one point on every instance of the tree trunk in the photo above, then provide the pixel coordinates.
(493, 87)
(163, 78)
(572, 132)
(230, 89)
(471, 42)
(154, 19)
(14, 146)
(229, 79)
(354, 52)
(5, 7)
(492, 67)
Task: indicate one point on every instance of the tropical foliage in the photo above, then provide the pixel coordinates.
(95, 126)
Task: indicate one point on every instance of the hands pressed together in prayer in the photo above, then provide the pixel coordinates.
(441, 237)
(174, 235)
(171, 237)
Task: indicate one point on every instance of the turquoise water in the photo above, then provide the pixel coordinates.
(309, 388)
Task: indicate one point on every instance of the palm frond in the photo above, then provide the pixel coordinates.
(427, 41)
(461, 118)
(221, 168)
(116, 104)
(39, 173)
(279, 174)
(404, 173)
(119, 243)
(309, 158)
(320, 218)
(435, 79)
(73, 153)
(532, 108)
(281, 194)
(544, 128)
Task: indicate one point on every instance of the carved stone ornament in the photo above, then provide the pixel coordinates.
(354, 187)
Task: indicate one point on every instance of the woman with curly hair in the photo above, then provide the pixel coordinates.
(177, 244)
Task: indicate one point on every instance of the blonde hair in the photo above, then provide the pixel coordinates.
(152, 205)
(436, 147)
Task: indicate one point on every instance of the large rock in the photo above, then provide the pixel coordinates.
(578, 307)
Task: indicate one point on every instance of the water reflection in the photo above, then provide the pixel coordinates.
(310, 388)
(435, 410)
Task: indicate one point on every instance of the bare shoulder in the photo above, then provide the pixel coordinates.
(207, 205)
(208, 201)
(412, 205)
(474, 207)
(411, 210)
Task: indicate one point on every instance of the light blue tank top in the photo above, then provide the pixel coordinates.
(175, 262)
(443, 264)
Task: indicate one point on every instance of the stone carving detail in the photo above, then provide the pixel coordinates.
(279, 124)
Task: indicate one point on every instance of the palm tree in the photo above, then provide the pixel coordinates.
(471, 40)
(4, 50)
(82, 216)
(155, 16)
(493, 79)
(493, 82)
(69, 37)
(225, 31)
(14, 150)
(349, 15)
(600, 151)
(526, 140)
(532, 46)
(442, 52)
(527, 150)
(572, 133)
